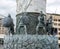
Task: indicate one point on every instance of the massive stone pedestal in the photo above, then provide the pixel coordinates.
(30, 42)
(33, 22)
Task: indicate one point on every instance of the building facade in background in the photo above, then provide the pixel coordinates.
(55, 23)
(2, 29)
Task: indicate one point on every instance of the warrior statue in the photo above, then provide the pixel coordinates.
(8, 23)
(41, 25)
(49, 25)
(22, 25)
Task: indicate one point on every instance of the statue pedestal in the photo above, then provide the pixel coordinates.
(30, 42)
(33, 22)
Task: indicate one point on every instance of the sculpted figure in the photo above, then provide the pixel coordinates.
(49, 25)
(8, 23)
(24, 20)
(41, 25)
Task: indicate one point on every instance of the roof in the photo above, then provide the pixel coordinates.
(54, 14)
(1, 16)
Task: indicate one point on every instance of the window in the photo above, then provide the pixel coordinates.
(59, 38)
(59, 20)
(55, 19)
(55, 23)
(59, 45)
(2, 31)
(0, 19)
(59, 24)
(2, 28)
(59, 33)
(59, 28)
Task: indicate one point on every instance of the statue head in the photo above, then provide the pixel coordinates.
(51, 17)
(9, 15)
(41, 12)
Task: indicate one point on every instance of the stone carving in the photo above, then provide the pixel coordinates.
(8, 23)
(24, 20)
(49, 25)
(30, 22)
(40, 29)
(30, 42)
(49, 28)
(34, 22)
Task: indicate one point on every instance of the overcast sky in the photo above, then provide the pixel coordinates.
(53, 6)
(9, 6)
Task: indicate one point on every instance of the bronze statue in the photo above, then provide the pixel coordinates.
(8, 23)
(49, 25)
(24, 20)
(40, 29)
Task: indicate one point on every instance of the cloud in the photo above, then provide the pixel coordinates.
(49, 1)
(7, 5)
(53, 6)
